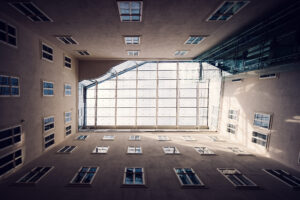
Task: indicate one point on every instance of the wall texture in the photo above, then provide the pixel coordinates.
(279, 97)
(31, 107)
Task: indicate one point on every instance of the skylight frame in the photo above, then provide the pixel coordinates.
(130, 14)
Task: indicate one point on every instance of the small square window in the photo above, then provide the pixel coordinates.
(260, 138)
(204, 151)
(68, 89)
(48, 124)
(8, 34)
(67, 62)
(100, 150)
(132, 39)
(134, 176)
(68, 130)
(233, 114)
(135, 137)
(181, 53)
(130, 11)
(163, 138)
(262, 120)
(47, 52)
(49, 140)
(239, 152)
(68, 117)
(231, 128)
(9, 86)
(188, 138)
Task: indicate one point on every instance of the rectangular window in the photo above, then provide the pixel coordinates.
(188, 178)
(9, 86)
(66, 149)
(284, 177)
(35, 175)
(10, 136)
(135, 137)
(48, 123)
(180, 53)
(108, 137)
(68, 117)
(233, 114)
(132, 39)
(188, 138)
(48, 88)
(134, 150)
(134, 177)
(68, 130)
(194, 39)
(231, 128)
(171, 150)
(133, 53)
(260, 138)
(204, 151)
(130, 11)
(101, 150)
(239, 152)
(262, 120)
(10, 161)
(8, 34)
(49, 140)
(47, 52)
(163, 138)
(84, 176)
(236, 178)
(67, 62)
(68, 89)
(81, 137)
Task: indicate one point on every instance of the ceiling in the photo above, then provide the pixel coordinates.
(165, 26)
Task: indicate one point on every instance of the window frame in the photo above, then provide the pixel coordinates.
(10, 86)
(134, 138)
(124, 184)
(7, 34)
(66, 152)
(287, 173)
(239, 152)
(231, 128)
(233, 114)
(46, 142)
(163, 138)
(132, 40)
(270, 121)
(175, 152)
(77, 137)
(196, 37)
(38, 180)
(13, 161)
(65, 90)
(66, 62)
(188, 138)
(47, 95)
(201, 185)
(68, 118)
(210, 152)
(70, 130)
(260, 139)
(105, 152)
(13, 135)
(133, 53)
(92, 179)
(46, 131)
(43, 51)
(135, 150)
(130, 14)
(108, 137)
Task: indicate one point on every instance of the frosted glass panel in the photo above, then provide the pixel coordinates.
(187, 112)
(166, 102)
(90, 102)
(151, 121)
(189, 75)
(126, 93)
(167, 93)
(203, 92)
(188, 84)
(147, 74)
(187, 93)
(123, 84)
(202, 111)
(146, 103)
(167, 83)
(187, 103)
(187, 121)
(90, 93)
(90, 111)
(148, 66)
(90, 121)
(125, 111)
(167, 74)
(166, 111)
(106, 103)
(146, 84)
(188, 66)
(126, 121)
(107, 84)
(203, 102)
(106, 112)
(167, 66)
(106, 93)
(166, 121)
(126, 102)
(146, 112)
(128, 75)
(105, 121)
(202, 121)
(146, 93)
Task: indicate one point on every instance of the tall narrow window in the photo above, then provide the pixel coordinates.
(67, 62)
(68, 89)
(47, 52)
(10, 136)
(68, 130)
(48, 123)
(49, 140)
(134, 176)
(84, 176)
(132, 39)
(8, 34)
(188, 178)
(10, 161)
(48, 88)
(68, 117)
(35, 175)
(130, 11)
(9, 86)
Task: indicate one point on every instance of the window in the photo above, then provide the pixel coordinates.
(10, 161)
(101, 150)
(194, 39)
(231, 128)
(216, 139)
(171, 150)
(236, 178)
(133, 53)
(9, 86)
(132, 39)
(84, 176)
(67, 62)
(10, 136)
(8, 34)
(188, 138)
(163, 138)
(262, 120)
(188, 178)
(134, 176)
(130, 11)
(68, 117)
(181, 53)
(135, 137)
(66, 149)
(35, 175)
(48, 123)
(83, 52)
(68, 89)
(227, 10)
(68, 130)
(233, 114)
(48, 88)
(239, 152)
(108, 137)
(66, 39)
(81, 137)
(204, 151)
(47, 52)
(49, 140)
(134, 150)
(284, 177)
(260, 138)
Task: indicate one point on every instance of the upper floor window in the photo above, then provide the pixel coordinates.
(9, 86)
(48, 123)
(187, 177)
(108, 137)
(67, 62)
(134, 150)
(130, 11)
(204, 151)
(68, 89)
(233, 114)
(260, 138)
(10, 161)
(47, 52)
(171, 150)
(35, 175)
(135, 137)
(134, 176)
(85, 175)
(163, 138)
(262, 120)
(81, 137)
(68, 130)
(49, 140)
(100, 150)
(8, 34)
(10, 136)
(132, 39)
(68, 117)
(48, 88)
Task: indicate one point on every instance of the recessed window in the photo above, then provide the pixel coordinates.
(268, 76)
(239, 152)
(47, 52)
(81, 137)
(108, 137)
(171, 150)
(233, 114)
(262, 120)
(194, 39)
(135, 137)
(49, 140)
(48, 123)
(180, 53)
(260, 138)
(236, 178)
(9, 86)
(48, 88)
(68, 89)
(130, 11)
(231, 128)
(226, 10)
(284, 177)
(31, 11)
(67, 62)
(188, 138)
(188, 178)
(66, 149)
(10, 136)
(10, 161)
(66, 39)
(134, 176)
(216, 139)
(204, 151)
(35, 175)
(83, 52)
(101, 150)
(133, 53)
(68, 130)
(8, 34)
(68, 117)
(163, 138)
(134, 150)
(132, 39)
(84, 176)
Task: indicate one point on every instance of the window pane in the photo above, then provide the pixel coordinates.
(146, 111)
(167, 103)
(126, 111)
(126, 121)
(106, 112)
(166, 121)
(126, 93)
(187, 93)
(146, 84)
(146, 121)
(187, 121)
(106, 121)
(105, 102)
(167, 74)
(106, 94)
(126, 84)
(146, 102)
(147, 75)
(167, 66)
(126, 102)
(166, 111)
(187, 103)
(167, 93)
(107, 84)
(146, 93)
(167, 83)
(187, 112)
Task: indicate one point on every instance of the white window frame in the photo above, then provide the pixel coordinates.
(65, 90)
(9, 35)
(287, 175)
(108, 137)
(260, 139)
(188, 138)
(77, 137)
(66, 148)
(44, 142)
(134, 138)
(129, 39)
(103, 150)
(43, 51)
(66, 62)
(134, 150)
(134, 185)
(47, 95)
(204, 151)
(185, 173)
(167, 150)
(270, 121)
(39, 179)
(44, 125)
(10, 86)
(239, 152)
(12, 136)
(81, 183)
(163, 138)
(68, 120)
